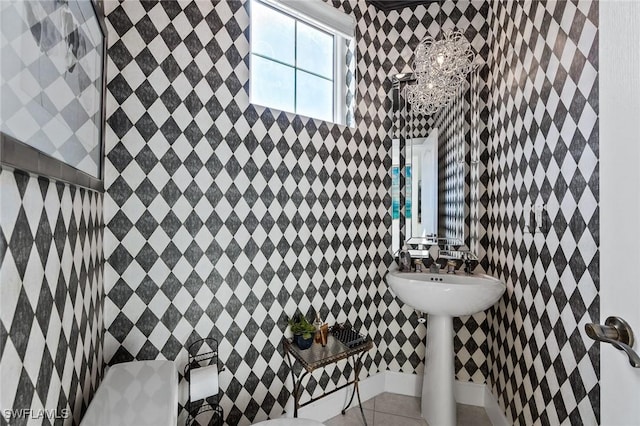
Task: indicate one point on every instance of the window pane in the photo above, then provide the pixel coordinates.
(272, 33)
(315, 50)
(314, 96)
(272, 84)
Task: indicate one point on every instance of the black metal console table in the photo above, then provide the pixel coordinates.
(317, 357)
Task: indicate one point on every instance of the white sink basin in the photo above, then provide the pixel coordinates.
(443, 296)
(446, 294)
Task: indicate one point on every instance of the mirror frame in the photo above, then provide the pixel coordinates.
(20, 155)
(419, 246)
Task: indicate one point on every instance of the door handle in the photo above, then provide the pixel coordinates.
(617, 332)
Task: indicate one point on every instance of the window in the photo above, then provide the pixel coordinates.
(300, 64)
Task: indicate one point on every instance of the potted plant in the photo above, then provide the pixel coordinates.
(303, 331)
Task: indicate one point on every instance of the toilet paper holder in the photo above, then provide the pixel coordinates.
(201, 373)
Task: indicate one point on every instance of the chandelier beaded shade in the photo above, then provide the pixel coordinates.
(440, 67)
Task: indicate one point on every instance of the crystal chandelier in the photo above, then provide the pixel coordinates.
(440, 67)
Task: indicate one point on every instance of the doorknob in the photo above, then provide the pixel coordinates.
(617, 332)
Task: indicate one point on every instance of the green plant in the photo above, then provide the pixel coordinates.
(300, 325)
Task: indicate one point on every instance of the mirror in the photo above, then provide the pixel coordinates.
(435, 172)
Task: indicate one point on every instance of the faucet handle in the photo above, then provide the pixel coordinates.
(404, 260)
(468, 257)
(418, 264)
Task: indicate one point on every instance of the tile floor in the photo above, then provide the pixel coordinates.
(389, 409)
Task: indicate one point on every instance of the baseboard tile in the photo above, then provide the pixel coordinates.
(469, 393)
(371, 387)
(331, 406)
(403, 384)
(493, 410)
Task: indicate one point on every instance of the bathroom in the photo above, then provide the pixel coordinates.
(218, 218)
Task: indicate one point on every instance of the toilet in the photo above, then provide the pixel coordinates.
(289, 422)
(145, 393)
(138, 393)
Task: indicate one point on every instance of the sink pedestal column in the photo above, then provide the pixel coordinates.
(438, 399)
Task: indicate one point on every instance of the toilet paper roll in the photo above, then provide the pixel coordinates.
(203, 382)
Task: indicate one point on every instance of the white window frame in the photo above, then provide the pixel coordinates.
(324, 17)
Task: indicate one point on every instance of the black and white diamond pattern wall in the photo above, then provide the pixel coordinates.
(544, 148)
(51, 303)
(223, 217)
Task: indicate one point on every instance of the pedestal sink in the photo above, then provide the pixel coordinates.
(443, 296)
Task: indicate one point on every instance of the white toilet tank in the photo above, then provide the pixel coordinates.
(137, 393)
